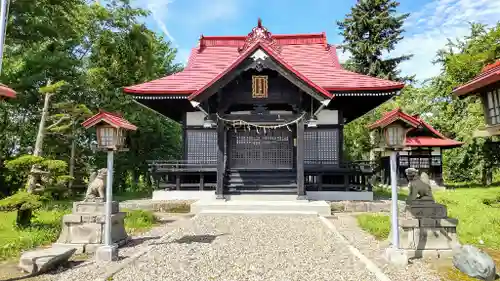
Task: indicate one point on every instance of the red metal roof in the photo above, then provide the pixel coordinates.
(425, 141)
(112, 119)
(307, 54)
(393, 115)
(273, 54)
(439, 140)
(489, 75)
(7, 92)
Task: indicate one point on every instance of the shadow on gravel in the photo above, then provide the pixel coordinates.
(188, 239)
(137, 241)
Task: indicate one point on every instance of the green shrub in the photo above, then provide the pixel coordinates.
(139, 220)
(376, 224)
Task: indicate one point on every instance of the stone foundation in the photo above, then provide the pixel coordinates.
(426, 231)
(84, 228)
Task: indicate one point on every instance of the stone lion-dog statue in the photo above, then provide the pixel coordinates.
(420, 188)
(96, 190)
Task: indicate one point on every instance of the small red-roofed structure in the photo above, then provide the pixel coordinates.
(423, 146)
(113, 119)
(111, 129)
(487, 86)
(6, 92)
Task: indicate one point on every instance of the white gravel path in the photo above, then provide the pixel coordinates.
(248, 247)
(418, 270)
(90, 270)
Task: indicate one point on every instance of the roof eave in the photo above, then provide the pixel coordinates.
(471, 87)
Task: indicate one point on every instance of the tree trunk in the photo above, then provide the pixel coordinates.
(24, 218)
(72, 164)
(39, 142)
(487, 175)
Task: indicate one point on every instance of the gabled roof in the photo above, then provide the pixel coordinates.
(308, 54)
(269, 51)
(393, 115)
(489, 75)
(6, 91)
(112, 119)
(438, 140)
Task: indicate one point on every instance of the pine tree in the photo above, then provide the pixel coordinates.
(372, 30)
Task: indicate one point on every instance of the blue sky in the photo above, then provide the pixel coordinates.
(430, 24)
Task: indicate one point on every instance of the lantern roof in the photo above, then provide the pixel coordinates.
(308, 56)
(113, 119)
(393, 116)
(490, 74)
(6, 91)
(436, 139)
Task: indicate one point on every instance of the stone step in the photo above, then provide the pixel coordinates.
(276, 186)
(242, 206)
(249, 196)
(265, 190)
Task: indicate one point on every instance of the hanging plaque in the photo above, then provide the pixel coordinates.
(259, 86)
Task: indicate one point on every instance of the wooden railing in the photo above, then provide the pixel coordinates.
(181, 165)
(319, 175)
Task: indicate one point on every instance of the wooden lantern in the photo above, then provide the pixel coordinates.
(111, 130)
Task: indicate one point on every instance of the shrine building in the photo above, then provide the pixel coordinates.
(263, 114)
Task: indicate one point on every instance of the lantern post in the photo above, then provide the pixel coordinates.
(392, 137)
(111, 131)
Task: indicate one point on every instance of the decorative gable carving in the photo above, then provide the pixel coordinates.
(260, 33)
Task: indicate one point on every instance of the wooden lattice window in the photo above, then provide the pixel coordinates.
(201, 146)
(321, 146)
(436, 161)
(403, 161)
(259, 86)
(493, 107)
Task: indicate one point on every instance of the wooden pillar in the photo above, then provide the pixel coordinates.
(221, 140)
(178, 182)
(202, 181)
(301, 191)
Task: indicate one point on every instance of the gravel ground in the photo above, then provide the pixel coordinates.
(347, 225)
(91, 271)
(251, 247)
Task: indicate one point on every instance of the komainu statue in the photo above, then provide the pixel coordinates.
(97, 185)
(420, 188)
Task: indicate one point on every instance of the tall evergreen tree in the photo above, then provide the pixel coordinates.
(371, 30)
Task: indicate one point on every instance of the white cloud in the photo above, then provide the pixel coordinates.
(428, 29)
(154, 6)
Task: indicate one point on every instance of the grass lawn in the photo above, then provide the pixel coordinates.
(47, 225)
(478, 214)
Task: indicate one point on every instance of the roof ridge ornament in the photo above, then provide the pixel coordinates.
(260, 33)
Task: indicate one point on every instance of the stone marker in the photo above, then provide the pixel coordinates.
(426, 230)
(84, 228)
(475, 263)
(40, 261)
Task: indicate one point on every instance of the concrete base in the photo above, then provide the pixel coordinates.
(276, 207)
(107, 253)
(425, 231)
(183, 195)
(84, 228)
(396, 257)
(340, 195)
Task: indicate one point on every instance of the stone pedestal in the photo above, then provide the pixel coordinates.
(84, 228)
(426, 230)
